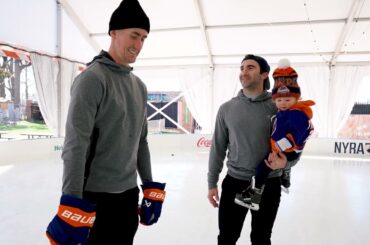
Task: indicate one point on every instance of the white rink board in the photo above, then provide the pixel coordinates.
(40, 149)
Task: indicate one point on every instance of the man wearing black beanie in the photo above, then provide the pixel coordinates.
(105, 147)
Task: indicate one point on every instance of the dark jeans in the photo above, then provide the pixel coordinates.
(232, 216)
(117, 218)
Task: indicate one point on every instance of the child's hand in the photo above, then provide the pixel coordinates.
(276, 160)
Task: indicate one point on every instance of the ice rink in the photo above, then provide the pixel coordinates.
(328, 202)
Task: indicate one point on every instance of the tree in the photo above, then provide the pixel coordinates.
(15, 80)
(14, 68)
(4, 73)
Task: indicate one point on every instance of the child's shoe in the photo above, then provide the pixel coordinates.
(285, 180)
(250, 197)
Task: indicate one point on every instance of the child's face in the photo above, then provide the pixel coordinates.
(284, 103)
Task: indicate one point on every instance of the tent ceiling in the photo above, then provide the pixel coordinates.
(221, 32)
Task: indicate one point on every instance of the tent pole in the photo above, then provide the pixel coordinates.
(59, 76)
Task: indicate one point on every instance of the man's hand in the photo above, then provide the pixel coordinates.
(276, 160)
(72, 223)
(213, 197)
(151, 205)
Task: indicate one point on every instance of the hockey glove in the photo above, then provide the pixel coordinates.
(72, 224)
(151, 205)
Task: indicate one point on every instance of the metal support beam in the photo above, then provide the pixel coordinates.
(203, 30)
(262, 54)
(59, 75)
(350, 21)
(284, 23)
(79, 24)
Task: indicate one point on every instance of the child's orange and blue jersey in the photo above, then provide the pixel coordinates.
(292, 127)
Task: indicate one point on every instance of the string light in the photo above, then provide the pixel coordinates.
(353, 43)
(314, 40)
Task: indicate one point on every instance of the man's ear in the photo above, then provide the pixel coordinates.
(264, 75)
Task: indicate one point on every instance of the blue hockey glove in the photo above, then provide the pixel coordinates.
(151, 205)
(72, 224)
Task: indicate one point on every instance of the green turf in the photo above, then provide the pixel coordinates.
(25, 127)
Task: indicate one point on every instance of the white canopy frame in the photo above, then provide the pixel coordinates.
(213, 36)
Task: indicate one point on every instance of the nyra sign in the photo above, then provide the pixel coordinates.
(356, 148)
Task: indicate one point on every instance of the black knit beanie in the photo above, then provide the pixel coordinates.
(129, 14)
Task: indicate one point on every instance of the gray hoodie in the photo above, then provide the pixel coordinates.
(242, 130)
(106, 130)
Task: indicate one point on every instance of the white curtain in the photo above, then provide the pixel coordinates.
(226, 85)
(46, 71)
(314, 83)
(159, 79)
(204, 89)
(52, 90)
(69, 71)
(197, 87)
(343, 88)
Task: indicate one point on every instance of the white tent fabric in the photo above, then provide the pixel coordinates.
(46, 70)
(68, 71)
(53, 79)
(342, 91)
(197, 88)
(334, 93)
(314, 83)
(327, 40)
(204, 89)
(225, 86)
(199, 32)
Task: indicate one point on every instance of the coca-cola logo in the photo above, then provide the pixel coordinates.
(203, 142)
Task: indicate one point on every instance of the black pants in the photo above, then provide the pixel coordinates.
(232, 216)
(116, 220)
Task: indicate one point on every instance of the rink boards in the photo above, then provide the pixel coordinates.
(25, 150)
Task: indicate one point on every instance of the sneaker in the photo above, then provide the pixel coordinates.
(250, 197)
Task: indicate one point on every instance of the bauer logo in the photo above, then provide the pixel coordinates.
(203, 142)
(357, 148)
(76, 219)
(152, 194)
(157, 195)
